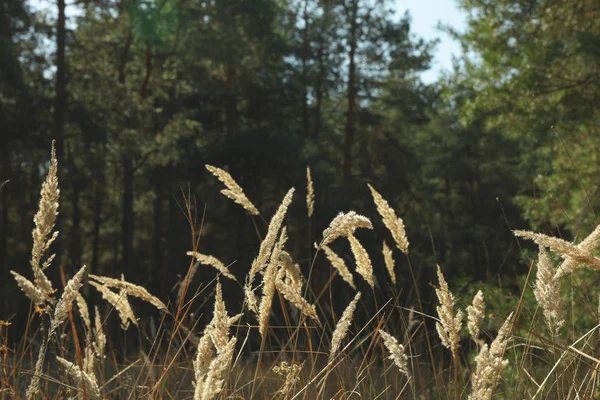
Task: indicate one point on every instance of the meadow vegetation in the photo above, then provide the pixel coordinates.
(287, 341)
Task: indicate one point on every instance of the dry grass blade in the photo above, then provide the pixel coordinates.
(449, 326)
(342, 328)
(389, 261)
(119, 302)
(64, 304)
(131, 290)
(363, 262)
(475, 315)
(233, 191)
(310, 195)
(397, 352)
(344, 224)
(83, 380)
(213, 262)
(547, 293)
(338, 263)
(394, 224)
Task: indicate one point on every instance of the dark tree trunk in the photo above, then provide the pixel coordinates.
(231, 106)
(127, 227)
(127, 200)
(97, 221)
(319, 90)
(351, 95)
(173, 252)
(59, 112)
(75, 235)
(4, 275)
(157, 238)
(305, 55)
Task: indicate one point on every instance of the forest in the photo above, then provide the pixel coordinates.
(144, 122)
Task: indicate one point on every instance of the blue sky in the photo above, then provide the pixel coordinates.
(425, 16)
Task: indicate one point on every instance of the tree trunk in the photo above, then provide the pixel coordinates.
(319, 90)
(231, 106)
(127, 227)
(127, 199)
(351, 95)
(305, 55)
(59, 112)
(4, 275)
(157, 237)
(75, 234)
(97, 222)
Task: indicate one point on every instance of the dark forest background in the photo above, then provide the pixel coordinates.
(141, 94)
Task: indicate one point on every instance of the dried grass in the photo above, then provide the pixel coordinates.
(338, 263)
(342, 328)
(343, 225)
(213, 262)
(448, 327)
(394, 224)
(233, 191)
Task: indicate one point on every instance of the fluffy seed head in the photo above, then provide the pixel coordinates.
(547, 293)
(44, 221)
(344, 224)
(342, 328)
(119, 301)
(310, 196)
(84, 311)
(213, 382)
(338, 263)
(233, 191)
(291, 373)
(289, 283)
(448, 327)
(99, 336)
(397, 352)
(389, 261)
(31, 291)
(588, 244)
(475, 314)
(269, 284)
(131, 290)
(394, 224)
(577, 255)
(34, 386)
(213, 262)
(363, 262)
(490, 364)
(82, 378)
(64, 304)
(266, 248)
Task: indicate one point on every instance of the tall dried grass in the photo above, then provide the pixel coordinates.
(178, 359)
